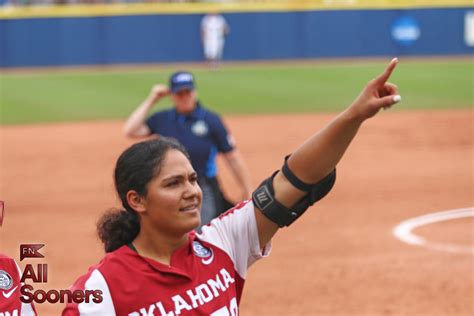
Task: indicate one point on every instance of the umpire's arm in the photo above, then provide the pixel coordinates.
(135, 125)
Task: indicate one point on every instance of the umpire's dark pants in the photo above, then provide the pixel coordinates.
(213, 201)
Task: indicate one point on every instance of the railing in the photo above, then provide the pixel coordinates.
(270, 3)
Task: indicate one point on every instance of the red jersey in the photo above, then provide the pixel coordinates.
(205, 277)
(10, 304)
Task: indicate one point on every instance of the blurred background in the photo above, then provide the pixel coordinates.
(285, 69)
(274, 52)
(40, 33)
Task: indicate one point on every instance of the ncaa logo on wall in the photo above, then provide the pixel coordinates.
(405, 31)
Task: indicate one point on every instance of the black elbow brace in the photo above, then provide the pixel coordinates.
(264, 197)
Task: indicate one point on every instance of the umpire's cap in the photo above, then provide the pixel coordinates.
(181, 80)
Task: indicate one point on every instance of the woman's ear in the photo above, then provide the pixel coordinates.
(136, 201)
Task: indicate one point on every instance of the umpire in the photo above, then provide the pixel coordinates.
(202, 133)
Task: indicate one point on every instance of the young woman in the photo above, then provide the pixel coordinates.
(155, 263)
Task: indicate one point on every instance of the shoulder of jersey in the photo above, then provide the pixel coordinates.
(211, 115)
(7, 262)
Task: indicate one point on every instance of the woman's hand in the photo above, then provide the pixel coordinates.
(377, 94)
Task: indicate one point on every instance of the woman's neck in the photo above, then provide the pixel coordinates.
(157, 246)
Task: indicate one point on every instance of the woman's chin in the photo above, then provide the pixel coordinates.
(194, 223)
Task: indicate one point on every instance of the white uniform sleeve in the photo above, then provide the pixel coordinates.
(96, 281)
(236, 233)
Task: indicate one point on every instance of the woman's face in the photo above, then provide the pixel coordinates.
(184, 100)
(173, 200)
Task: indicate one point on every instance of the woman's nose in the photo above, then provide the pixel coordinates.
(192, 189)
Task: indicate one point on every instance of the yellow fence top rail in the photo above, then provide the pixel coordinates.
(123, 9)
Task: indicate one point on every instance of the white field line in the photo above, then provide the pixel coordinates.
(403, 231)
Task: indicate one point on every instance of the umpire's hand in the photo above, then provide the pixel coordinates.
(158, 91)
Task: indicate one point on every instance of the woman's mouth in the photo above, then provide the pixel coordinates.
(190, 207)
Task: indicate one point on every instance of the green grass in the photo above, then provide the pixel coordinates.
(80, 95)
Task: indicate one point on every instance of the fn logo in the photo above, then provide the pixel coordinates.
(30, 251)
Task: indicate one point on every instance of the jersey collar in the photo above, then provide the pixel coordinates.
(196, 114)
(183, 260)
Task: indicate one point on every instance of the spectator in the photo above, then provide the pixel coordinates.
(214, 29)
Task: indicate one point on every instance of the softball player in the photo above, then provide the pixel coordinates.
(10, 276)
(214, 29)
(202, 133)
(156, 265)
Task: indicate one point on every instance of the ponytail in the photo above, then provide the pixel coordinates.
(117, 228)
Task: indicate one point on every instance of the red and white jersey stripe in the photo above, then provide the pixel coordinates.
(205, 277)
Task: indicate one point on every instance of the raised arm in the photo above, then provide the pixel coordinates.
(319, 155)
(135, 125)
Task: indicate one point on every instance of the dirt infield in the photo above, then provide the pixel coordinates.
(340, 259)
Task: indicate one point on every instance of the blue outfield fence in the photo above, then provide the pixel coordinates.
(135, 39)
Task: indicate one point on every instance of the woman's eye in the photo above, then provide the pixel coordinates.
(172, 184)
(193, 179)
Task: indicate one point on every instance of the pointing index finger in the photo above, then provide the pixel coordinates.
(381, 79)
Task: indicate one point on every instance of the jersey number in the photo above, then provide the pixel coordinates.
(232, 310)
